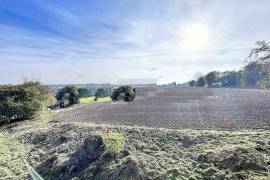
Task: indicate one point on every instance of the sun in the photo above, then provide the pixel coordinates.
(196, 36)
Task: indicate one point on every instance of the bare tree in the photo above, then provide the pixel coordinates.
(261, 56)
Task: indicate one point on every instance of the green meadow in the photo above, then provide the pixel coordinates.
(92, 99)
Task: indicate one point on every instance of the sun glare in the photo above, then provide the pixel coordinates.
(196, 37)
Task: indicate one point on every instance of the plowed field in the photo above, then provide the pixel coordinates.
(195, 108)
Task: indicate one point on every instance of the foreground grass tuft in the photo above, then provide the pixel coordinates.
(114, 143)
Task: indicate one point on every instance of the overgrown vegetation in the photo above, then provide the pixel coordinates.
(68, 96)
(126, 93)
(114, 143)
(20, 102)
(148, 153)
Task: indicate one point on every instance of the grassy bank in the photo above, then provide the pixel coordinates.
(77, 150)
(14, 148)
(11, 157)
(92, 99)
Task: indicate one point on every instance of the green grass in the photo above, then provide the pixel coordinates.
(91, 99)
(114, 142)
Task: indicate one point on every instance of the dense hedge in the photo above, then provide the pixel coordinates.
(126, 93)
(19, 102)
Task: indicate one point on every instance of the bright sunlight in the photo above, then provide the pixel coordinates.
(196, 37)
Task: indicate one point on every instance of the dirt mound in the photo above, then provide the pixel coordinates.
(75, 163)
(90, 161)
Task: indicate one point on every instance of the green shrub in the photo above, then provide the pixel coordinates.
(68, 96)
(114, 143)
(126, 93)
(19, 102)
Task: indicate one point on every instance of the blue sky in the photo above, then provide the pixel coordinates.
(100, 41)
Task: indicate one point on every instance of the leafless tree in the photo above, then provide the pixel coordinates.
(261, 55)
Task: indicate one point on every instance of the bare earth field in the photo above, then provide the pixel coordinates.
(198, 108)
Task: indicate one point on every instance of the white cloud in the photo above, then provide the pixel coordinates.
(104, 49)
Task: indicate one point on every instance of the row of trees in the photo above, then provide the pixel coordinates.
(100, 92)
(255, 74)
(25, 101)
(126, 93)
(218, 79)
(71, 95)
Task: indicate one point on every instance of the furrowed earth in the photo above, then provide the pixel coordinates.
(194, 108)
(170, 133)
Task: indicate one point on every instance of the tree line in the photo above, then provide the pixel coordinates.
(30, 99)
(71, 95)
(100, 92)
(255, 74)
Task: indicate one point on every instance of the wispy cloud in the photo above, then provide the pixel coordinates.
(101, 41)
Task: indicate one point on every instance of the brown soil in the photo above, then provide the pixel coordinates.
(195, 108)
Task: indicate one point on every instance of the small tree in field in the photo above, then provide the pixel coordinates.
(68, 96)
(126, 93)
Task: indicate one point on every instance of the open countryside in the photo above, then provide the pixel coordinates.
(165, 132)
(134, 90)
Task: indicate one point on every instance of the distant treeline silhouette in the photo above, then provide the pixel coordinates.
(255, 74)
